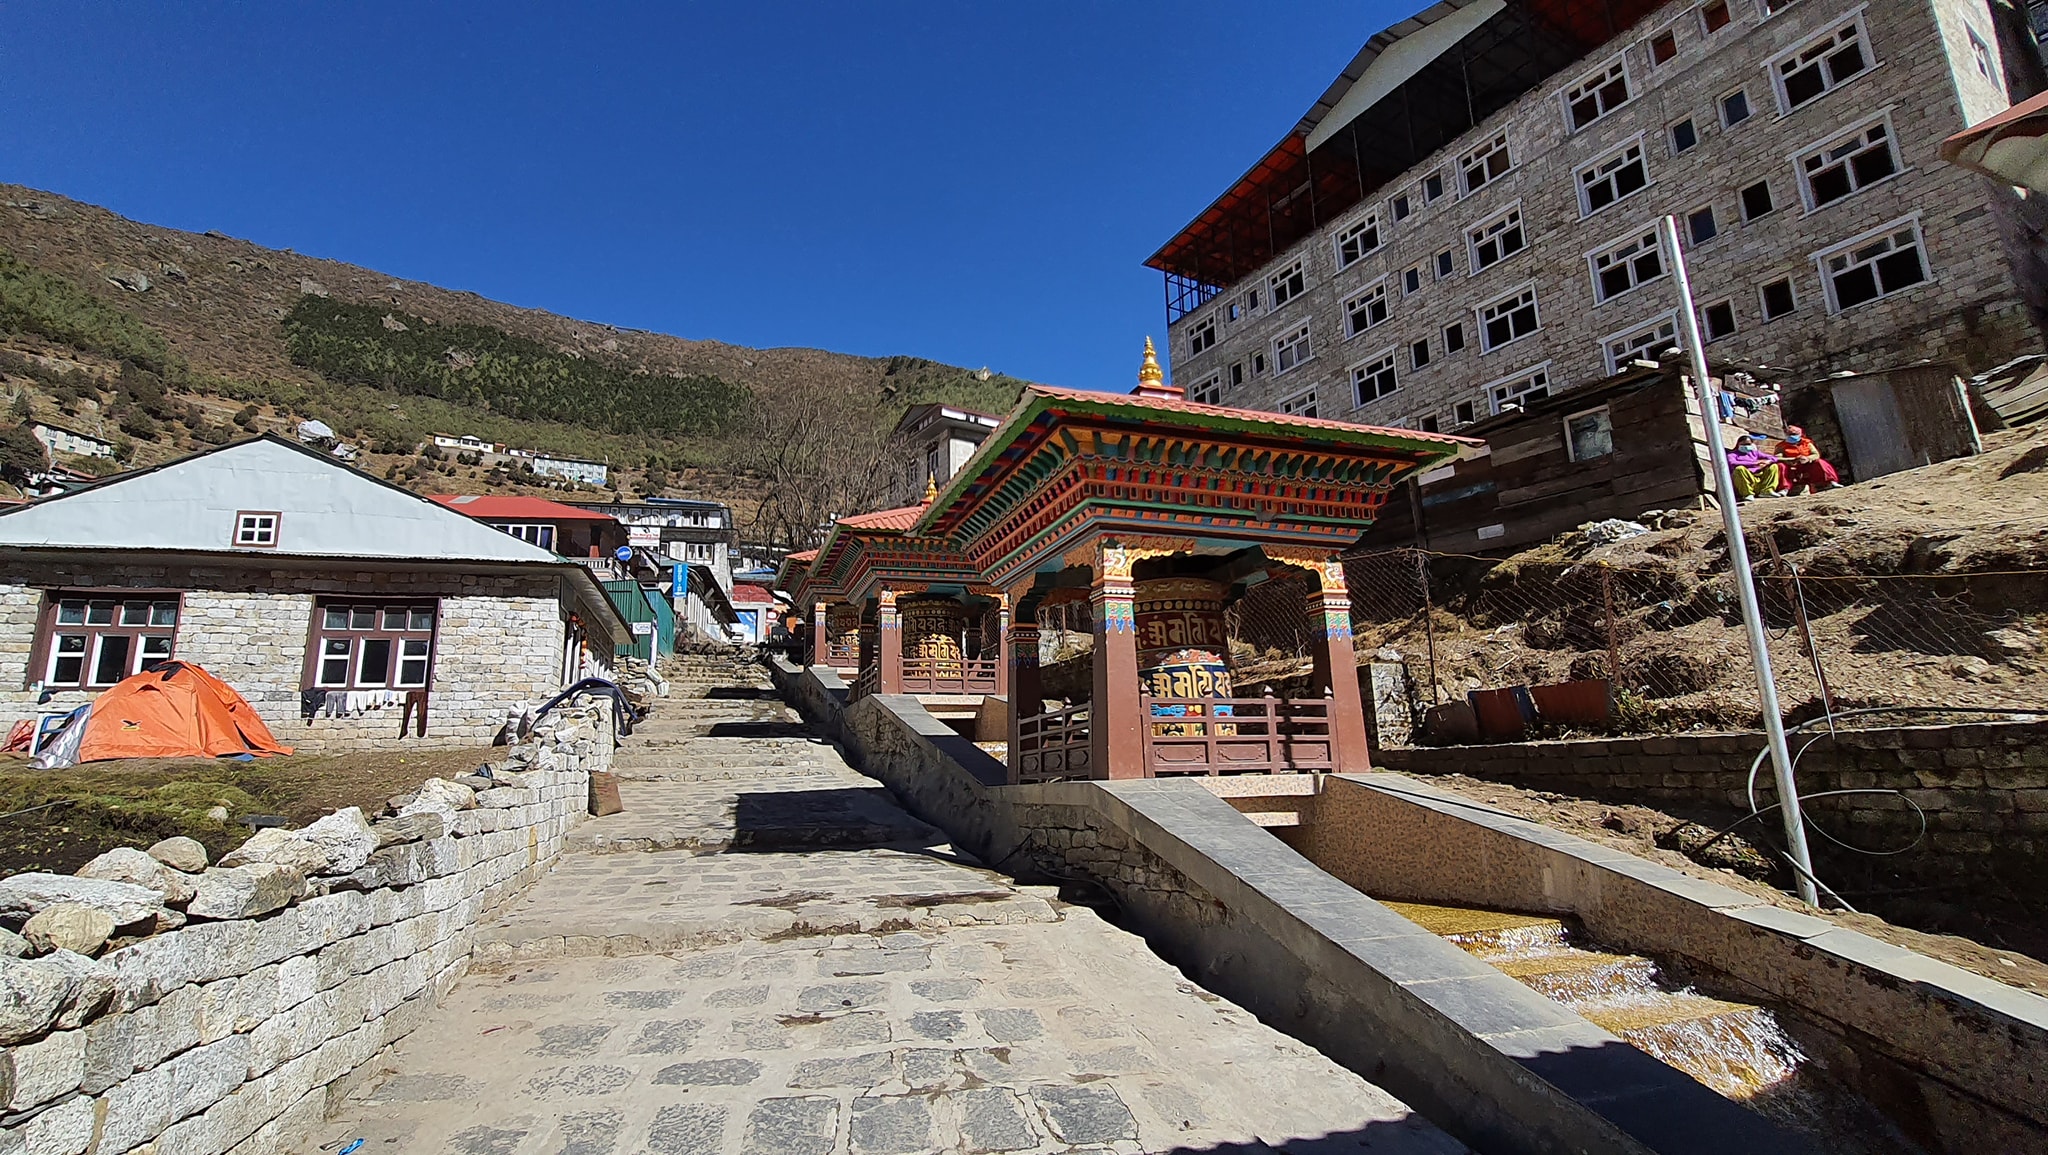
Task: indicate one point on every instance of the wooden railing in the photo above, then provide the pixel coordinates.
(1051, 746)
(863, 685)
(1236, 735)
(843, 653)
(949, 675)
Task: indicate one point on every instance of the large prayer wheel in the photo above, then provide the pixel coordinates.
(842, 628)
(932, 627)
(1183, 644)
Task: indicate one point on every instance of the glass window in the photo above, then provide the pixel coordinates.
(1625, 266)
(1608, 180)
(1509, 319)
(1466, 412)
(1516, 390)
(1496, 240)
(1848, 165)
(1358, 240)
(1203, 336)
(369, 646)
(1821, 66)
(1446, 263)
(1486, 164)
(1300, 405)
(1400, 207)
(1597, 95)
(1701, 226)
(1684, 136)
(1367, 309)
(1777, 298)
(1373, 380)
(1432, 187)
(1734, 108)
(1644, 342)
(1454, 337)
(1866, 270)
(1715, 16)
(1664, 47)
(1291, 349)
(1718, 319)
(1207, 391)
(1589, 435)
(1287, 284)
(94, 642)
(1418, 354)
(1411, 281)
(1756, 200)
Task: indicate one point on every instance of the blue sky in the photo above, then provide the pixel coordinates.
(974, 183)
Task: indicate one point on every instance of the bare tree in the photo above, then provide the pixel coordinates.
(816, 455)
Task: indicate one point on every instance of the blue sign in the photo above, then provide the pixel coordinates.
(623, 553)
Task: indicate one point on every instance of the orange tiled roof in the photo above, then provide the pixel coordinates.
(898, 519)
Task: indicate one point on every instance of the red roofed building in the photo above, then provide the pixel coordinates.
(567, 530)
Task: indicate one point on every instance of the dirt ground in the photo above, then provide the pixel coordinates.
(135, 802)
(1654, 834)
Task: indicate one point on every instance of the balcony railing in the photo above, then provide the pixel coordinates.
(949, 675)
(863, 685)
(1236, 735)
(843, 653)
(1051, 746)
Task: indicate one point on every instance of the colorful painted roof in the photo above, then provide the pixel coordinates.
(491, 507)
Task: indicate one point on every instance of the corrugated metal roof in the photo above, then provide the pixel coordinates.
(522, 508)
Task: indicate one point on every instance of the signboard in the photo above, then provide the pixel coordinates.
(642, 629)
(623, 553)
(644, 535)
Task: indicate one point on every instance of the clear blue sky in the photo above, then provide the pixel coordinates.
(974, 183)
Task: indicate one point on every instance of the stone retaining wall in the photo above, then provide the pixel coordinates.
(238, 1035)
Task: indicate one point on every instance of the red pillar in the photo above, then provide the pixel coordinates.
(821, 643)
(1115, 743)
(1336, 669)
(1003, 643)
(1027, 699)
(889, 641)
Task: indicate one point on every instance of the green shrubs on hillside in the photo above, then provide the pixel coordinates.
(513, 376)
(32, 301)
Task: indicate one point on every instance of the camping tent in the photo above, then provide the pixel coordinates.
(176, 710)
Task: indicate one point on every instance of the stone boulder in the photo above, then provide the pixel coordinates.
(245, 891)
(32, 992)
(92, 988)
(125, 902)
(12, 945)
(346, 837)
(68, 926)
(132, 279)
(411, 828)
(278, 847)
(128, 865)
(181, 853)
(439, 795)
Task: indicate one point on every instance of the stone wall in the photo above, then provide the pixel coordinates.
(499, 641)
(236, 1034)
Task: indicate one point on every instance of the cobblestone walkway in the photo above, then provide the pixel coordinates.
(846, 997)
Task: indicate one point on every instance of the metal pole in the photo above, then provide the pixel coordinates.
(1738, 565)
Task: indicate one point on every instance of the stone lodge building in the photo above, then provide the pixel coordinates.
(1467, 216)
(301, 582)
(936, 440)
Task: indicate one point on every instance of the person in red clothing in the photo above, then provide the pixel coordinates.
(1801, 464)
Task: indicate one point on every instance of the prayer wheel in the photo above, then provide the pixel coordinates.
(932, 627)
(1183, 645)
(842, 627)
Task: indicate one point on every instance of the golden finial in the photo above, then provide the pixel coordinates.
(931, 489)
(1148, 373)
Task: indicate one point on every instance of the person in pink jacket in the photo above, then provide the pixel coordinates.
(1753, 471)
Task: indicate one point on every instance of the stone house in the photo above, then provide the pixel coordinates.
(58, 439)
(1467, 217)
(934, 441)
(303, 583)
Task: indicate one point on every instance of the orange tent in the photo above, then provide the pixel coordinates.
(176, 710)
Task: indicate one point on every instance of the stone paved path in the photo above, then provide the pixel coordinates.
(847, 997)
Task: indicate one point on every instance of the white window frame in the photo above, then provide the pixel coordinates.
(1889, 228)
(1721, 108)
(1650, 53)
(1458, 409)
(1293, 404)
(1688, 215)
(1742, 202)
(1613, 249)
(1444, 335)
(1600, 75)
(1438, 263)
(1369, 222)
(1412, 273)
(1246, 305)
(1734, 322)
(1763, 311)
(1442, 186)
(1483, 155)
(1207, 391)
(1204, 328)
(1670, 135)
(1727, 6)
(1982, 57)
(1387, 362)
(1495, 225)
(1300, 337)
(1640, 328)
(1776, 66)
(1512, 296)
(530, 532)
(1526, 376)
(258, 528)
(1378, 289)
(1820, 148)
(1292, 271)
(1618, 153)
(1565, 424)
(1428, 358)
(1400, 207)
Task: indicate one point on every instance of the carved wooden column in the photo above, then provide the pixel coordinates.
(1003, 643)
(1336, 667)
(1116, 746)
(1020, 666)
(889, 641)
(821, 640)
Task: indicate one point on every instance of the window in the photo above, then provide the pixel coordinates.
(1454, 338)
(1756, 200)
(1588, 435)
(1533, 385)
(1367, 309)
(1431, 424)
(1980, 53)
(1701, 226)
(1203, 336)
(1245, 306)
(1291, 349)
(1400, 206)
(1773, 7)
(1418, 354)
(1445, 264)
(1432, 188)
(1411, 281)
(1286, 284)
(1734, 108)
(1718, 320)
(1645, 342)
(1596, 95)
(1207, 391)
(1611, 178)
(1258, 364)
(1236, 374)
(97, 639)
(1664, 46)
(1874, 266)
(1777, 298)
(1486, 164)
(1848, 165)
(1465, 414)
(256, 528)
(1496, 240)
(1300, 405)
(373, 645)
(1374, 379)
(1625, 266)
(1684, 136)
(1357, 240)
(1509, 319)
(1714, 17)
(542, 535)
(1822, 66)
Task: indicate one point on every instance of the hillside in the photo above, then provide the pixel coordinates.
(223, 323)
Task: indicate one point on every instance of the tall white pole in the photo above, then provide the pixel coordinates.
(1738, 564)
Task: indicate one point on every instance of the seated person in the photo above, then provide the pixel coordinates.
(1753, 471)
(1802, 464)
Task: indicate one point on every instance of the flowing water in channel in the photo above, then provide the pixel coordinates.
(1737, 1049)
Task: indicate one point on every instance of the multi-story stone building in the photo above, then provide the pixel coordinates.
(935, 441)
(1469, 214)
